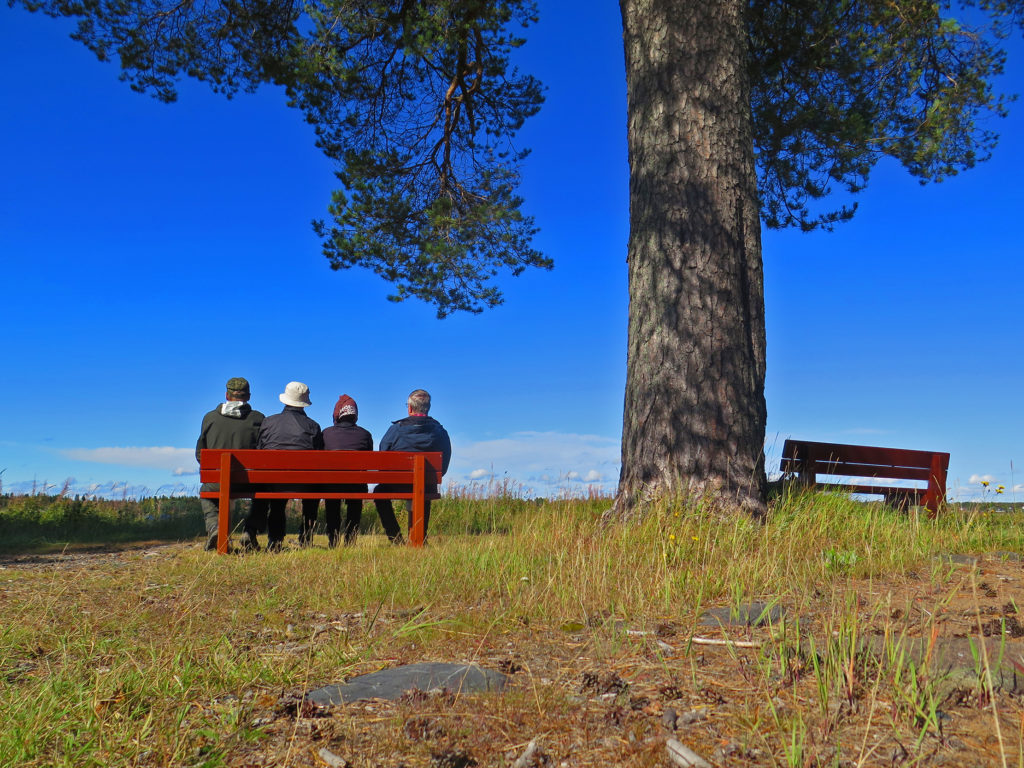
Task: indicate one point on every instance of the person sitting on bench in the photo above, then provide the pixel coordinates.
(290, 430)
(232, 424)
(345, 435)
(417, 432)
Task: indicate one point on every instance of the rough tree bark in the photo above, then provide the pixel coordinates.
(694, 418)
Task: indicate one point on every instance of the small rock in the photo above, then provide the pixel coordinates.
(683, 756)
(694, 716)
(332, 759)
(668, 718)
(525, 759)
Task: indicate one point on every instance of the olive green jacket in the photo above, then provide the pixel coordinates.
(225, 431)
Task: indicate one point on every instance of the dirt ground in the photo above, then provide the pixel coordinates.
(618, 691)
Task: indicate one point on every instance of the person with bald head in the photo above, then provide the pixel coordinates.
(416, 432)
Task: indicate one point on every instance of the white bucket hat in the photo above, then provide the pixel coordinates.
(296, 393)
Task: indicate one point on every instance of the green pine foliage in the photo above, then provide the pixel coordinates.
(417, 104)
(838, 86)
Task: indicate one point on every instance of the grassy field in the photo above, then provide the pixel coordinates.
(889, 647)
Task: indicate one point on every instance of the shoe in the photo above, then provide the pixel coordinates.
(249, 544)
(211, 542)
(274, 546)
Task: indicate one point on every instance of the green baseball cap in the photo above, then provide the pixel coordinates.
(239, 385)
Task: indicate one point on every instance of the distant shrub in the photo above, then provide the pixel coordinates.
(34, 521)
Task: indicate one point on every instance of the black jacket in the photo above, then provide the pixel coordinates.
(290, 430)
(346, 436)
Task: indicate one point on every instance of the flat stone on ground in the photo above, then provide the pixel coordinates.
(392, 683)
(747, 615)
(957, 559)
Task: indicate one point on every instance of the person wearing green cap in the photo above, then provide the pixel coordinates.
(232, 424)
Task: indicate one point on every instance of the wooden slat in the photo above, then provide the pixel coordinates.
(317, 477)
(853, 469)
(875, 490)
(313, 494)
(319, 460)
(865, 454)
(306, 477)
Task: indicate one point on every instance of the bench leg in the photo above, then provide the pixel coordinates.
(224, 520)
(418, 532)
(936, 493)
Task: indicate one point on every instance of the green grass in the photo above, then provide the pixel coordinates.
(165, 660)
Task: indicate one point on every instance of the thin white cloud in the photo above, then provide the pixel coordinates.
(542, 461)
(178, 461)
(982, 479)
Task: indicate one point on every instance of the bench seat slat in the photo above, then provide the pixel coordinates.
(875, 490)
(320, 477)
(324, 495)
(850, 469)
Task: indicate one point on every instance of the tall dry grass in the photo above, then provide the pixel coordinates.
(158, 658)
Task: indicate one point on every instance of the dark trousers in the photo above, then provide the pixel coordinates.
(386, 510)
(270, 514)
(353, 514)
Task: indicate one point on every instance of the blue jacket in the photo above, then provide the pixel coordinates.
(418, 433)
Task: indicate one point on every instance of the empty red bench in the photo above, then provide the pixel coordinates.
(805, 461)
(241, 473)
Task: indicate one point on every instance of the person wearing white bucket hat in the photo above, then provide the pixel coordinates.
(290, 430)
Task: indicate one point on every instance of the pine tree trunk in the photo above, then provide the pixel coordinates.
(694, 416)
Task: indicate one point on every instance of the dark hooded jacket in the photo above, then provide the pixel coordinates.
(221, 430)
(346, 435)
(290, 430)
(418, 433)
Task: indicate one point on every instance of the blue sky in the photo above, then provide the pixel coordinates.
(151, 251)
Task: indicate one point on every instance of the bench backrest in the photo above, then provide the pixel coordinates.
(317, 467)
(809, 459)
(802, 456)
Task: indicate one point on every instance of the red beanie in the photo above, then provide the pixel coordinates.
(345, 406)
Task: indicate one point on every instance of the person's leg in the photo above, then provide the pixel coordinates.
(276, 523)
(310, 509)
(255, 523)
(332, 515)
(211, 515)
(353, 514)
(386, 513)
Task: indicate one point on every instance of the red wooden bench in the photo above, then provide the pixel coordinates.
(241, 473)
(805, 460)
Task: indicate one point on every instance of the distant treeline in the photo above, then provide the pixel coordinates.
(31, 521)
(40, 521)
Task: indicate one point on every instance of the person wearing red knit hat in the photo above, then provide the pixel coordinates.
(345, 435)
